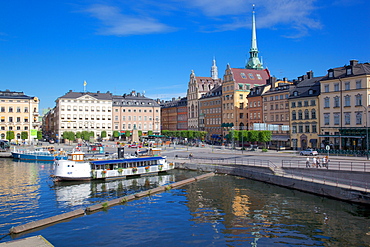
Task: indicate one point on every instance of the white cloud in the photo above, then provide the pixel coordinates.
(292, 14)
(295, 17)
(116, 23)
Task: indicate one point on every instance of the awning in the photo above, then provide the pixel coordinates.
(280, 138)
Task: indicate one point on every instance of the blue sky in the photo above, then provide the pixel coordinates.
(50, 47)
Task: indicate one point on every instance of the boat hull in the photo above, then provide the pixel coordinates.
(69, 170)
(37, 157)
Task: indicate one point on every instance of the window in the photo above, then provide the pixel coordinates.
(313, 114)
(358, 99)
(336, 87)
(259, 77)
(347, 118)
(359, 117)
(243, 75)
(300, 115)
(251, 76)
(326, 118)
(300, 128)
(306, 114)
(305, 103)
(293, 104)
(294, 115)
(336, 101)
(299, 103)
(294, 129)
(314, 128)
(241, 105)
(331, 74)
(295, 93)
(358, 84)
(326, 88)
(310, 92)
(240, 96)
(336, 118)
(347, 85)
(313, 102)
(347, 100)
(349, 71)
(307, 128)
(327, 102)
(240, 86)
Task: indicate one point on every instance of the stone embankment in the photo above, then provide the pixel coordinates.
(305, 180)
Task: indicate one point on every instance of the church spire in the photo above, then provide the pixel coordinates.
(214, 70)
(253, 62)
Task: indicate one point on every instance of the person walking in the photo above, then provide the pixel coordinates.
(314, 162)
(318, 163)
(308, 162)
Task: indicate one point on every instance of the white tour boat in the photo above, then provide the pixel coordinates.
(79, 166)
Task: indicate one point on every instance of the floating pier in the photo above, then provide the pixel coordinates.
(62, 217)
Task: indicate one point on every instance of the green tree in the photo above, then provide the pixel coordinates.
(78, 135)
(9, 135)
(127, 133)
(115, 134)
(103, 134)
(39, 135)
(85, 135)
(139, 132)
(253, 135)
(150, 132)
(264, 136)
(24, 135)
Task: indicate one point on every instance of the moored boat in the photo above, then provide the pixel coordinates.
(39, 154)
(80, 166)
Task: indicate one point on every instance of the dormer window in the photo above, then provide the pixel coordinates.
(331, 73)
(349, 71)
(295, 93)
(310, 91)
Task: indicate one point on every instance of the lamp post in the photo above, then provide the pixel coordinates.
(367, 133)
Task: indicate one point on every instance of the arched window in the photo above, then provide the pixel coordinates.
(313, 114)
(294, 115)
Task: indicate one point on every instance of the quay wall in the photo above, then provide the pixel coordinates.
(263, 174)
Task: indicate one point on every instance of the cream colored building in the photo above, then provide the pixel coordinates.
(83, 111)
(344, 104)
(19, 113)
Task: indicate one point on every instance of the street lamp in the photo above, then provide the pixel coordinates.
(367, 133)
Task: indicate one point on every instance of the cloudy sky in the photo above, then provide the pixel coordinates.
(50, 47)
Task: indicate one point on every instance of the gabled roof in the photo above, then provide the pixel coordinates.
(133, 99)
(214, 92)
(250, 76)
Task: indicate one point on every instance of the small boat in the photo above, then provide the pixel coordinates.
(39, 154)
(81, 166)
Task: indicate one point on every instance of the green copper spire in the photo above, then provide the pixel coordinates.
(253, 62)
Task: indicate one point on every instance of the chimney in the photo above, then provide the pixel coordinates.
(353, 62)
(310, 74)
(138, 95)
(271, 81)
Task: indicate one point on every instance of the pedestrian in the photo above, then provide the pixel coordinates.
(327, 162)
(190, 155)
(314, 162)
(324, 161)
(308, 162)
(318, 162)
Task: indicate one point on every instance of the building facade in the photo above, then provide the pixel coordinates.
(344, 104)
(304, 112)
(135, 111)
(174, 114)
(82, 111)
(19, 113)
(210, 118)
(276, 113)
(198, 86)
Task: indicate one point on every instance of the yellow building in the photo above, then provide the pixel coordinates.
(304, 111)
(19, 113)
(344, 102)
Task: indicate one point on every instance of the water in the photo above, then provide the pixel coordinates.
(219, 211)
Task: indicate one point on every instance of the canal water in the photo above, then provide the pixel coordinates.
(218, 211)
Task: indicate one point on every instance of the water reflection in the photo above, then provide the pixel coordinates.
(83, 193)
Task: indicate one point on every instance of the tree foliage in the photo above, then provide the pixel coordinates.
(24, 135)
(9, 135)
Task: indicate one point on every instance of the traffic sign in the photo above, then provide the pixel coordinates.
(327, 147)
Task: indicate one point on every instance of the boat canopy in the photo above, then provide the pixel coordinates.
(116, 161)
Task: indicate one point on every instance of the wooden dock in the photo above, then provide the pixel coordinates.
(35, 241)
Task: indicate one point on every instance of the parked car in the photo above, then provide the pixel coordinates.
(310, 152)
